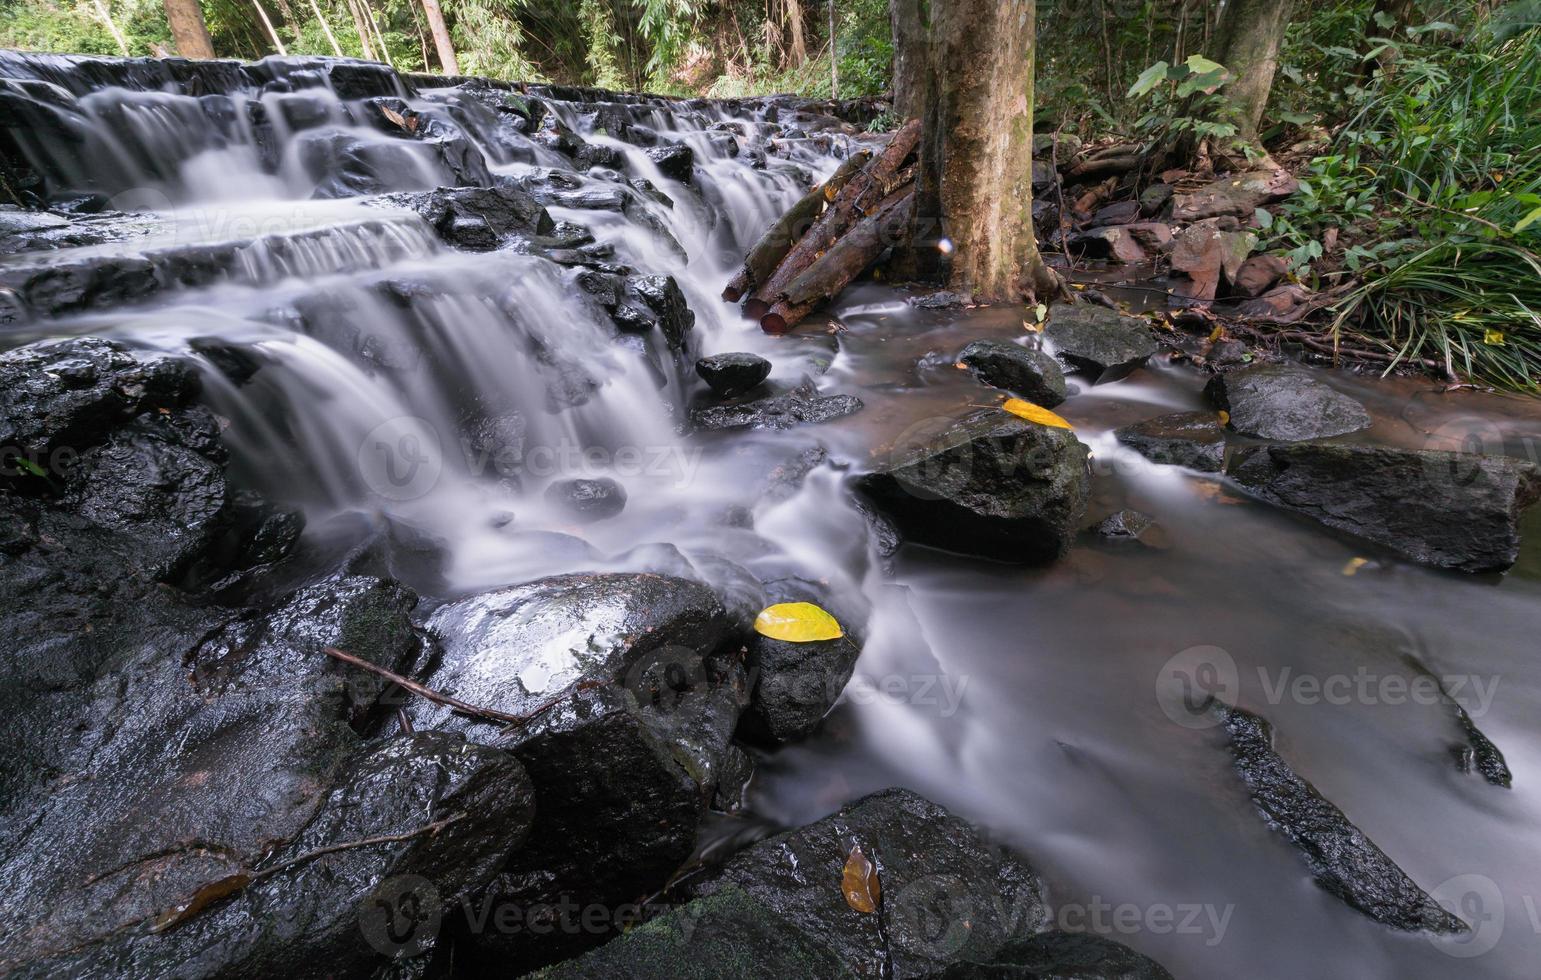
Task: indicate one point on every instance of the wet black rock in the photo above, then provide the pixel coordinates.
(168, 761)
(444, 815)
(1192, 439)
(1475, 751)
(1061, 956)
(1450, 510)
(119, 442)
(1124, 525)
(675, 160)
(793, 685)
(802, 405)
(1342, 859)
(343, 165)
(478, 218)
(726, 934)
(1284, 403)
(733, 374)
(665, 303)
(1101, 342)
(633, 712)
(587, 501)
(1030, 373)
(990, 484)
(948, 894)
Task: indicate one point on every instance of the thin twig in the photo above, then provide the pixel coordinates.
(490, 714)
(348, 845)
(1459, 214)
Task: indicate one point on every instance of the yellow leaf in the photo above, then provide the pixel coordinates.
(1216, 334)
(1034, 413)
(1354, 565)
(859, 882)
(797, 622)
(1225, 417)
(1493, 338)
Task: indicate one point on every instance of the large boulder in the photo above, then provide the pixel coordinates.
(990, 484)
(1284, 403)
(478, 218)
(1030, 373)
(734, 373)
(1342, 859)
(410, 830)
(948, 894)
(1101, 342)
(631, 712)
(1451, 510)
(1192, 439)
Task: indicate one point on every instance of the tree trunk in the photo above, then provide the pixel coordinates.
(326, 28)
(799, 37)
(278, 42)
(973, 85)
(1247, 41)
(909, 20)
(188, 31)
(117, 35)
(834, 56)
(441, 39)
(365, 48)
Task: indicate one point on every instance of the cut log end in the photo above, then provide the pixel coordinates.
(755, 309)
(732, 294)
(774, 324)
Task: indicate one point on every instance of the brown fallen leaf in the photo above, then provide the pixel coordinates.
(859, 882)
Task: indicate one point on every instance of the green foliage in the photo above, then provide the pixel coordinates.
(864, 44)
(1183, 100)
(599, 30)
(1435, 184)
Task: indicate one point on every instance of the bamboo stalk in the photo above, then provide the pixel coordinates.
(272, 34)
(326, 29)
(117, 35)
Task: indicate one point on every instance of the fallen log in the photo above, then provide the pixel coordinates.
(844, 261)
(849, 207)
(774, 245)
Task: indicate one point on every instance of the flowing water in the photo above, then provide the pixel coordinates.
(1038, 702)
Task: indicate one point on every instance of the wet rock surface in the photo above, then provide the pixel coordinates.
(1101, 342)
(588, 500)
(802, 405)
(1342, 859)
(1450, 510)
(1192, 439)
(1029, 373)
(1284, 403)
(631, 701)
(1061, 956)
(733, 374)
(948, 893)
(990, 484)
(793, 685)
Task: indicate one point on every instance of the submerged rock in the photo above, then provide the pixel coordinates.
(990, 484)
(1450, 510)
(631, 715)
(1124, 525)
(675, 160)
(947, 893)
(1030, 373)
(1061, 956)
(733, 374)
(588, 500)
(1104, 343)
(1342, 859)
(802, 405)
(1191, 439)
(1284, 403)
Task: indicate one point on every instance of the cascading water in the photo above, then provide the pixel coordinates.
(372, 349)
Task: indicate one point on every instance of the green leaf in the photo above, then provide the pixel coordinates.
(1200, 65)
(1528, 220)
(1149, 79)
(1263, 218)
(30, 466)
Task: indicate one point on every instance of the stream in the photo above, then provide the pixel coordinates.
(1041, 703)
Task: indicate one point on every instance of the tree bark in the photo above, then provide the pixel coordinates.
(188, 30)
(972, 224)
(846, 260)
(326, 28)
(278, 42)
(1247, 41)
(117, 35)
(441, 39)
(864, 190)
(799, 36)
(773, 246)
(365, 48)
